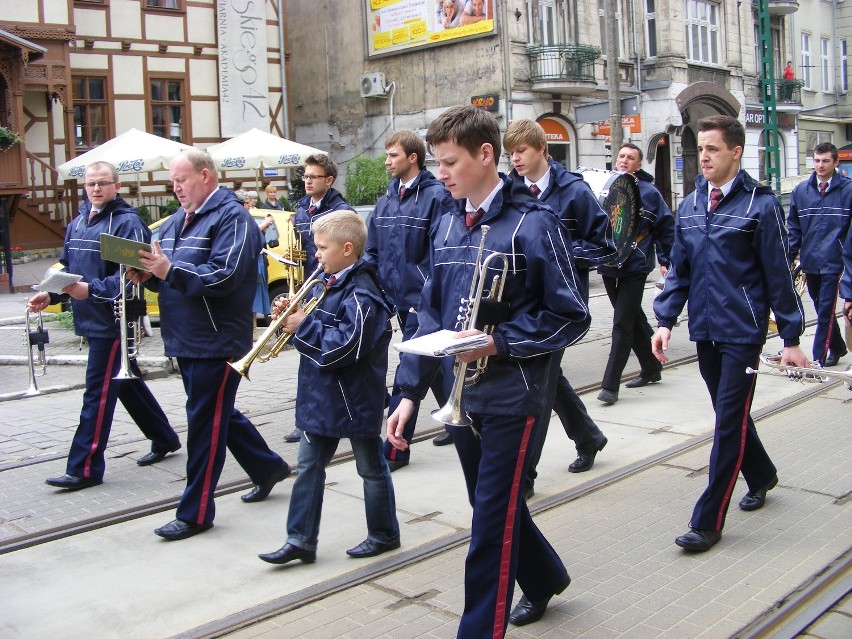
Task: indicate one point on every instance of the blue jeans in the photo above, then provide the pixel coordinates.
(315, 453)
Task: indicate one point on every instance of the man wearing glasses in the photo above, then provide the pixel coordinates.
(92, 299)
(320, 198)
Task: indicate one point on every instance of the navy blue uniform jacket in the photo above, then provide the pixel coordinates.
(547, 309)
(398, 241)
(819, 226)
(344, 358)
(205, 299)
(732, 265)
(331, 201)
(81, 254)
(656, 231)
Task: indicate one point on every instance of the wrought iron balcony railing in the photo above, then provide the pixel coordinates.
(563, 62)
(788, 91)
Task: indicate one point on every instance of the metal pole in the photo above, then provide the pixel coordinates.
(612, 76)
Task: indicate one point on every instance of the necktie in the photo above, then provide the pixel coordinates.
(534, 189)
(330, 281)
(311, 210)
(715, 196)
(471, 218)
(402, 191)
(92, 214)
(822, 187)
(188, 219)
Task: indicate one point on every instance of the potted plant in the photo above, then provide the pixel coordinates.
(8, 138)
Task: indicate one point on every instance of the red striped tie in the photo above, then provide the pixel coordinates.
(472, 217)
(534, 189)
(715, 196)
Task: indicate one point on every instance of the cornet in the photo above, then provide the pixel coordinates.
(270, 343)
(131, 331)
(813, 374)
(37, 338)
(452, 413)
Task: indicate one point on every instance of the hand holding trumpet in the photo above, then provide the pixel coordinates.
(291, 323)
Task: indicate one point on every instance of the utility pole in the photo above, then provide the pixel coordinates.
(612, 77)
(772, 164)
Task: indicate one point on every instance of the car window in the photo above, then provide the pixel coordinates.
(271, 234)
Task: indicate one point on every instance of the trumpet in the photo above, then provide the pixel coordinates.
(128, 314)
(813, 374)
(271, 343)
(453, 413)
(35, 337)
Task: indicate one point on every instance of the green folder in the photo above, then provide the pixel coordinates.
(122, 251)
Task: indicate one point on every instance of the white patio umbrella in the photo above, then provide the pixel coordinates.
(131, 152)
(255, 150)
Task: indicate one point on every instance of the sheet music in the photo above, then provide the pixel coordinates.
(278, 258)
(54, 281)
(442, 343)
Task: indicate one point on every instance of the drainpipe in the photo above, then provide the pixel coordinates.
(507, 59)
(285, 112)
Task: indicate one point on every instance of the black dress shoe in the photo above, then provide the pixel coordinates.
(261, 491)
(607, 396)
(755, 500)
(369, 548)
(444, 439)
(585, 461)
(153, 458)
(179, 529)
(396, 464)
(72, 482)
(698, 540)
(289, 552)
(293, 437)
(644, 380)
(527, 611)
(834, 360)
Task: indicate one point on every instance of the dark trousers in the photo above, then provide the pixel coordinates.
(828, 340)
(505, 543)
(572, 413)
(736, 445)
(630, 329)
(408, 323)
(214, 424)
(86, 457)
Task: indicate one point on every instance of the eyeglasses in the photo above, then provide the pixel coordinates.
(308, 178)
(103, 185)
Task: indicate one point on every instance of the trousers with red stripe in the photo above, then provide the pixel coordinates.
(214, 425)
(736, 445)
(505, 543)
(86, 457)
(828, 337)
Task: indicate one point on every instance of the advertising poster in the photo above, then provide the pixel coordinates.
(396, 25)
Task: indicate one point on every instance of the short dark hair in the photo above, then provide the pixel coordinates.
(826, 147)
(410, 143)
(630, 145)
(467, 126)
(327, 164)
(733, 132)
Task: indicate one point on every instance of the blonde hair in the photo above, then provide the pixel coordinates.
(342, 227)
(524, 132)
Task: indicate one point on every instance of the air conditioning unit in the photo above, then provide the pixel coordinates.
(373, 85)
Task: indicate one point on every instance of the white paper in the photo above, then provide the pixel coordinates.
(442, 343)
(278, 258)
(54, 281)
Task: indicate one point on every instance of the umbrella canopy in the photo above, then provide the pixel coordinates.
(257, 150)
(131, 152)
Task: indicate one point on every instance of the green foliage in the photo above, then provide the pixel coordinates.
(366, 180)
(144, 214)
(172, 205)
(65, 319)
(8, 138)
(297, 190)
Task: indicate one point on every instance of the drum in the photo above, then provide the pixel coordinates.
(618, 195)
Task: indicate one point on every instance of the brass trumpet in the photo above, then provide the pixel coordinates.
(271, 343)
(128, 314)
(36, 338)
(453, 413)
(813, 374)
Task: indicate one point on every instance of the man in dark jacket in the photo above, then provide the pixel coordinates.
(398, 246)
(729, 261)
(625, 284)
(818, 223)
(93, 302)
(205, 270)
(321, 198)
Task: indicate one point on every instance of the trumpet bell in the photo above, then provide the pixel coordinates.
(452, 414)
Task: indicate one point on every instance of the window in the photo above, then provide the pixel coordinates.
(650, 29)
(167, 109)
(825, 64)
(163, 4)
(90, 112)
(547, 22)
(806, 60)
(702, 31)
(618, 13)
(844, 68)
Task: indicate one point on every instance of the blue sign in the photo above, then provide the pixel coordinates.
(678, 163)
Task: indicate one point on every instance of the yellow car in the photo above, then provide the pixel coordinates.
(280, 240)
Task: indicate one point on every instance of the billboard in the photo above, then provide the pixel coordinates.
(393, 26)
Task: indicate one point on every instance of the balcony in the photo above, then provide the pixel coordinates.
(568, 69)
(788, 92)
(778, 7)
